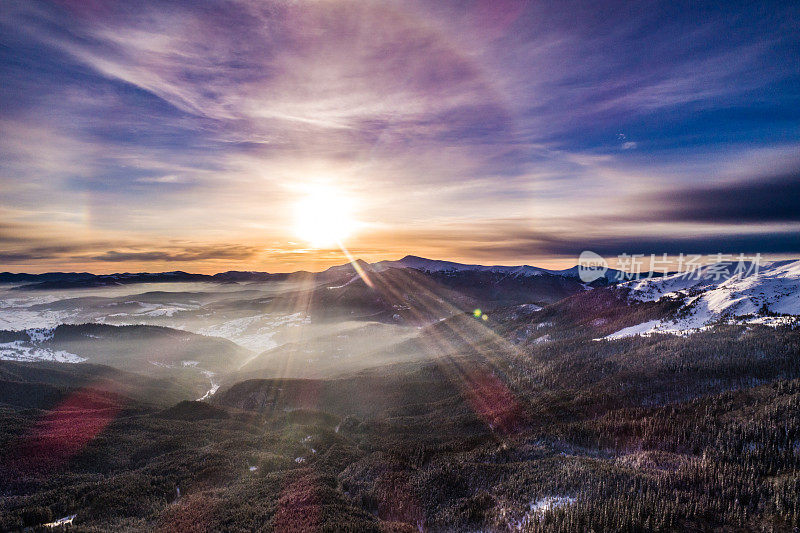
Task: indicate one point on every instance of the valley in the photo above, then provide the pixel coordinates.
(333, 402)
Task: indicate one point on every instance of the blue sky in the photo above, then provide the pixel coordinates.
(163, 135)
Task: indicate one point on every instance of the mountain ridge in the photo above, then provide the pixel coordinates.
(66, 280)
(767, 293)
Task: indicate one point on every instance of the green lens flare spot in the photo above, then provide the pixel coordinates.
(477, 313)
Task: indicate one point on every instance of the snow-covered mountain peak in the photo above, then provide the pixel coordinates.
(752, 293)
(436, 265)
(743, 288)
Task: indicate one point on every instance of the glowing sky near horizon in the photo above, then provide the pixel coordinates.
(183, 135)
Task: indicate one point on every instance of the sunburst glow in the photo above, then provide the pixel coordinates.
(324, 218)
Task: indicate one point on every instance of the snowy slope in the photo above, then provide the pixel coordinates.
(19, 351)
(751, 295)
(31, 350)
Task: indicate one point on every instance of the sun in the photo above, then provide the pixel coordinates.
(324, 218)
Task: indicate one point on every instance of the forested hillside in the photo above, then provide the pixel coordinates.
(662, 433)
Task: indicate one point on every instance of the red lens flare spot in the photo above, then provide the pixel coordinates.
(64, 431)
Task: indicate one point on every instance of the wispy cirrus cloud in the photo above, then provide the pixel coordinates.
(199, 121)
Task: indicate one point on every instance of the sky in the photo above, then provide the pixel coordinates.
(190, 135)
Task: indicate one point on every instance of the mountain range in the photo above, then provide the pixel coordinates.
(67, 280)
(399, 396)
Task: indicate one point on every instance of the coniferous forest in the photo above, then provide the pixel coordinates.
(659, 433)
